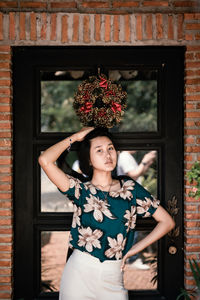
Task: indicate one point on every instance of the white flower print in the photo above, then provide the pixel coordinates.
(155, 202)
(75, 183)
(91, 188)
(76, 216)
(89, 238)
(99, 207)
(144, 206)
(131, 217)
(116, 246)
(70, 239)
(125, 191)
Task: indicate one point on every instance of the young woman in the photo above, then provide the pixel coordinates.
(104, 219)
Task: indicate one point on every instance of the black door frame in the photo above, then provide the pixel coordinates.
(28, 142)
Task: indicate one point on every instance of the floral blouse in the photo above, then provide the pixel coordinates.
(106, 229)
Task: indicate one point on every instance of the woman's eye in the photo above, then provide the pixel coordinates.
(111, 148)
(99, 150)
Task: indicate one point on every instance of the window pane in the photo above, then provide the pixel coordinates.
(54, 247)
(141, 87)
(57, 96)
(51, 199)
(141, 270)
(129, 163)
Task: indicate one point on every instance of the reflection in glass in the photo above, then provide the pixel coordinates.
(141, 270)
(51, 198)
(54, 247)
(141, 166)
(57, 94)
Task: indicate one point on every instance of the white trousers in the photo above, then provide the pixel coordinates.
(86, 278)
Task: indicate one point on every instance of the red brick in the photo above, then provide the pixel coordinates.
(5, 65)
(5, 196)
(6, 125)
(5, 204)
(29, 4)
(189, 140)
(192, 149)
(5, 74)
(12, 26)
(22, 26)
(156, 3)
(185, 3)
(5, 239)
(189, 55)
(139, 27)
(170, 28)
(5, 279)
(5, 263)
(5, 152)
(107, 28)
(188, 37)
(127, 29)
(5, 56)
(191, 208)
(192, 16)
(5, 222)
(44, 26)
(71, 4)
(86, 29)
(53, 27)
(159, 26)
(192, 248)
(33, 34)
(192, 224)
(6, 4)
(192, 114)
(189, 105)
(193, 48)
(5, 82)
(5, 287)
(192, 216)
(5, 231)
(188, 157)
(193, 232)
(125, 4)
(64, 35)
(192, 89)
(4, 48)
(116, 28)
(75, 37)
(5, 295)
(1, 26)
(95, 4)
(5, 134)
(193, 81)
(197, 36)
(5, 143)
(194, 26)
(98, 27)
(180, 27)
(149, 31)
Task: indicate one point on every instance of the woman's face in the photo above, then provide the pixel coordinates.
(103, 155)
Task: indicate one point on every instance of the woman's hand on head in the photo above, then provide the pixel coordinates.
(82, 133)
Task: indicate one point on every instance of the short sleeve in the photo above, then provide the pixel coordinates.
(146, 203)
(74, 191)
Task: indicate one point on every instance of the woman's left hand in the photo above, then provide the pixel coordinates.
(128, 254)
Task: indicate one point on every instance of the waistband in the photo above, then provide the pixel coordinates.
(85, 257)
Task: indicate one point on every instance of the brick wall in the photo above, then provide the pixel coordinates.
(100, 22)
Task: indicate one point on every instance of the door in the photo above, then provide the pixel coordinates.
(45, 79)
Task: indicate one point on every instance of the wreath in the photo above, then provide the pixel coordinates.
(99, 102)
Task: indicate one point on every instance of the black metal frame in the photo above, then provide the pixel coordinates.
(29, 141)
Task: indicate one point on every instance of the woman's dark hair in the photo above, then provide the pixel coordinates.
(84, 149)
(83, 155)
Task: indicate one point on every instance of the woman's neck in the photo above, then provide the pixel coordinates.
(102, 179)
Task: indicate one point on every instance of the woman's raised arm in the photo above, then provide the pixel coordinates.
(47, 159)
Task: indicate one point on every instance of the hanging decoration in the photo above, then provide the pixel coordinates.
(99, 102)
